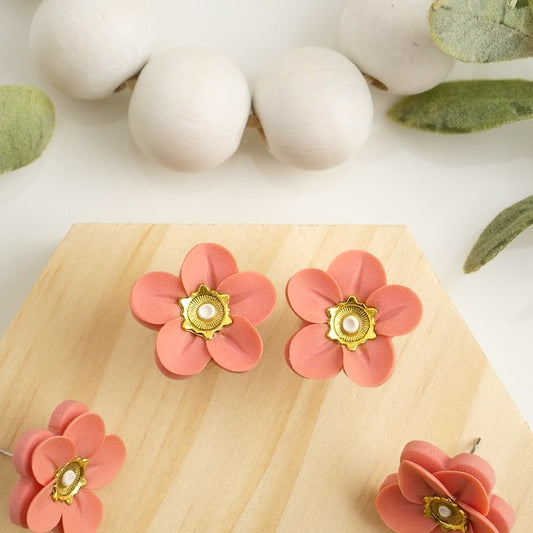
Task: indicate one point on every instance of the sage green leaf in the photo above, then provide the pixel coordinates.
(499, 233)
(482, 31)
(466, 106)
(27, 120)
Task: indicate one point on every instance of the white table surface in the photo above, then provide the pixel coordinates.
(446, 189)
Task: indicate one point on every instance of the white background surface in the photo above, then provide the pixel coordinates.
(446, 189)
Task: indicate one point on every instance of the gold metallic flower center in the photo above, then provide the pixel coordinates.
(69, 480)
(446, 513)
(351, 323)
(205, 312)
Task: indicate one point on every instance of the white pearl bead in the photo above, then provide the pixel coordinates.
(87, 49)
(314, 106)
(189, 108)
(351, 324)
(68, 478)
(390, 41)
(206, 311)
(444, 511)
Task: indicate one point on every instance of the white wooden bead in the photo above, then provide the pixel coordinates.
(390, 41)
(314, 106)
(189, 108)
(86, 49)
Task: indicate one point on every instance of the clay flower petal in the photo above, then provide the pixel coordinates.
(478, 522)
(21, 497)
(358, 273)
(311, 292)
(87, 432)
(64, 414)
(399, 310)
(501, 514)
(466, 489)
(425, 455)
(312, 355)
(84, 515)
(207, 264)
(372, 363)
(106, 463)
(49, 456)
(237, 348)
(180, 353)
(417, 483)
(25, 447)
(43, 513)
(401, 515)
(476, 466)
(252, 295)
(154, 298)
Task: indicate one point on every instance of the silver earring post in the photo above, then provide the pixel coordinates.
(476, 445)
(6, 452)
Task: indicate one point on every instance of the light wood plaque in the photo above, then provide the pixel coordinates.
(259, 452)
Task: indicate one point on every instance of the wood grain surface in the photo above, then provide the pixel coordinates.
(264, 451)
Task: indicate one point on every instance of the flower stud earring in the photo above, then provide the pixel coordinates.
(208, 313)
(351, 315)
(433, 492)
(59, 469)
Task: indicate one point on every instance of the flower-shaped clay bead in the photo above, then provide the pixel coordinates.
(59, 469)
(351, 315)
(435, 493)
(207, 313)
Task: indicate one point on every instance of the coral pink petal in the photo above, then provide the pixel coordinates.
(49, 456)
(180, 352)
(417, 483)
(24, 448)
(87, 432)
(310, 293)
(391, 479)
(154, 298)
(358, 274)
(426, 455)
(64, 414)
(84, 515)
(476, 466)
(466, 489)
(372, 363)
(21, 497)
(401, 515)
(43, 513)
(207, 264)
(501, 514)
(252, 296)
(478, 522)
(312, 355)
(238, 347)
(399, 310)
(106, 463)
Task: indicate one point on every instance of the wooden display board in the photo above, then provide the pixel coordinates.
(264, 451)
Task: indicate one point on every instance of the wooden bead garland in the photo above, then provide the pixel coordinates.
(190, 106)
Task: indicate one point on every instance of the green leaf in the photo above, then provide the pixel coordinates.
(482, 31)
(499, 233)
(466, 106)
(27, 120)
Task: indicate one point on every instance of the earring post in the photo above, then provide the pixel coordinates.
(476, 445)
(6, 452)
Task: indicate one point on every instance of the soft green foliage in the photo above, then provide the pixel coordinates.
(499, 233)
(482, 31)
(466, 106)
(27, 120)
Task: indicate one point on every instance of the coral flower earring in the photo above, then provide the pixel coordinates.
(351, 315)
(60, 467)
(208, 313)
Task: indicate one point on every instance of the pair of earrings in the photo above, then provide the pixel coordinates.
(210, 313)
(60, 467)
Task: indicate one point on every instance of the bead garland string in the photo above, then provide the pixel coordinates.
(190, 105)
